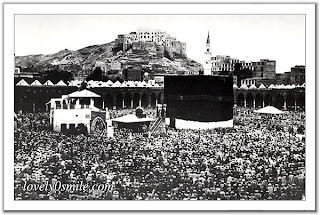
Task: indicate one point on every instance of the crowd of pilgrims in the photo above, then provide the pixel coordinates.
(260, 158)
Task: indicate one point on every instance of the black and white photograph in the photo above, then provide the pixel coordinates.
(165, 107)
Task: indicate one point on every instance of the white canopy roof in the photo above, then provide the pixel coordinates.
(75, 83)
(130, 118)
(36, 83)
(130, 84)
(61, 83)
(262, 86)
(235, 86)
(109, 83)
(144, 83)
(124, 84)
(48, 83)
(104, 84)
(271, 86)
(116, 84)
(148, 85)
(22, 82)
(253, 86)
(139, 84)
(83, 94)
(243, 86)
(269, 110)
(93, 84)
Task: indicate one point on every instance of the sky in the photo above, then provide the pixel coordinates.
(245, 37)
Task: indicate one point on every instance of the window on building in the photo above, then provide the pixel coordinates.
(63, 128)
(72, 126)
(58, 105)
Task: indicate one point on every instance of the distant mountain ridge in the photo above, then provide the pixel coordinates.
(85, 59)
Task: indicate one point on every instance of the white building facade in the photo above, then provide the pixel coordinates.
(74, 109)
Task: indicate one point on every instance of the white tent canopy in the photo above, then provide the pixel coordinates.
(130, 118)
(36, 83)
(130, 84)
(93, 84)
(48, 83)
(83, 94)
(104, 84)
(235, 86)
(116, 84)
(75, 83)
(243, 86)
(124, 84)
(139, 84)
(22, 82)
(61, 83)
(109, 83)
(253, 87)
(144, 83)
(262, 86)
(269, 110)
(271, 86)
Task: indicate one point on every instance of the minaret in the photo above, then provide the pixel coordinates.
(207, 64)
(208, 43)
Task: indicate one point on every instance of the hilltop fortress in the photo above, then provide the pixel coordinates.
(154, 42)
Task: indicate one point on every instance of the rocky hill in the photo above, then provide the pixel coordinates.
(86, 58)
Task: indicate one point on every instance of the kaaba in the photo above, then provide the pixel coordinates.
(204, 100)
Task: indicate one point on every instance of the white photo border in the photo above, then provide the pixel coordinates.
(11, 9)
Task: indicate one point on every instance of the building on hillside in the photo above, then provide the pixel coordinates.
(152, 41)
(133, 73)
(297, 75)
(103, 66)
(115, 66)
(265, 69)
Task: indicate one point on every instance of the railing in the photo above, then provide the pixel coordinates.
(155, 125)
(152, 124)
